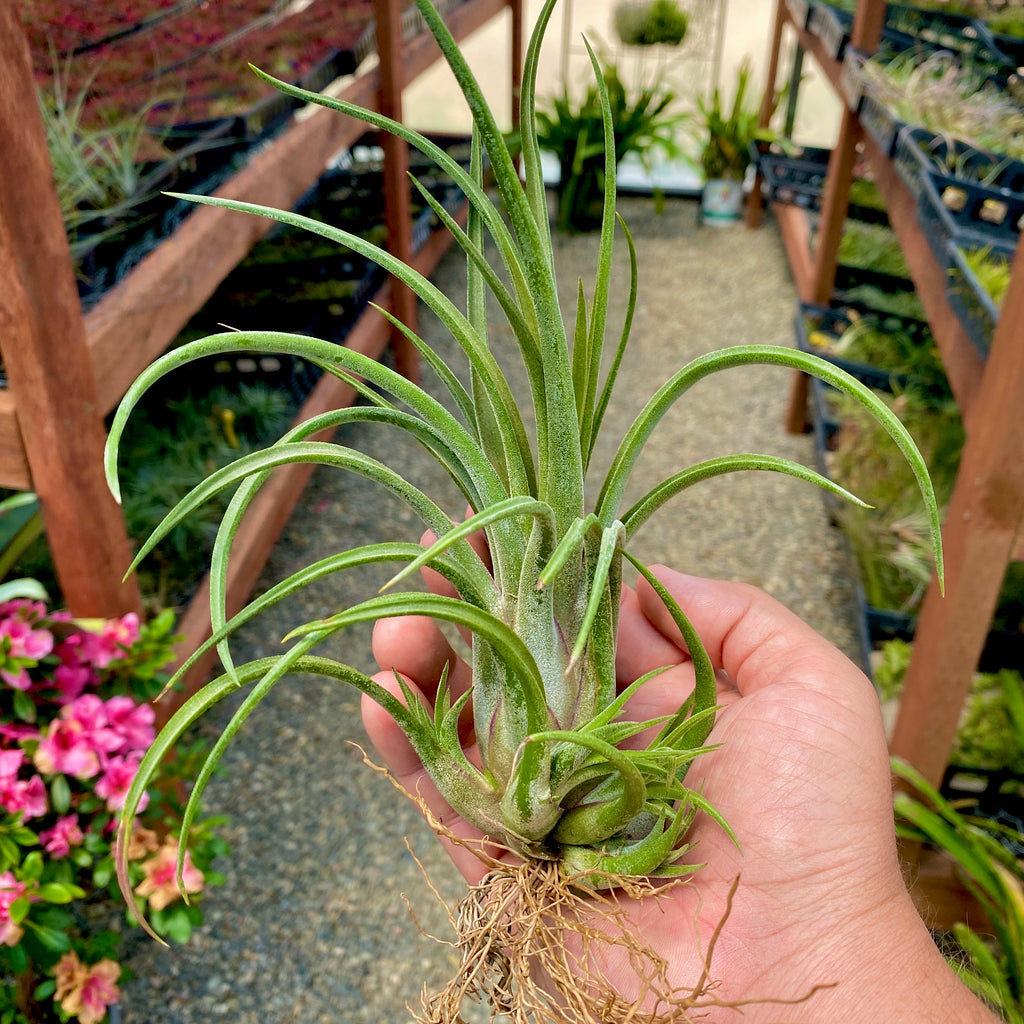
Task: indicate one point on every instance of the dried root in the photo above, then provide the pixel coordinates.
(531, 946)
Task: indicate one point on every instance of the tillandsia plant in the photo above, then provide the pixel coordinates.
(556, 782)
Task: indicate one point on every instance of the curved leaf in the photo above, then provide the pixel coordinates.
(667, 489)
(743, 355)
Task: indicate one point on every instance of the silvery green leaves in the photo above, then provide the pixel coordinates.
(556, 776)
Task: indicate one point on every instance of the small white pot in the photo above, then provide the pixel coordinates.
(721, 202)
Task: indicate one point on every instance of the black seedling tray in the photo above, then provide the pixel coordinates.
(831, 321)
(971, 302)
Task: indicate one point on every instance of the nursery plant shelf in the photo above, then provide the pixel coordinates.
(983, 530)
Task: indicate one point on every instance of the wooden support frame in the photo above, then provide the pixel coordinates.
(986, 514)
(58, 418)
(139, 317)
(985, 519)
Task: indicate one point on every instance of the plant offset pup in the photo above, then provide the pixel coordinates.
(553, 784)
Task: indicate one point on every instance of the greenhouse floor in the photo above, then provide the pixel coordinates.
(311, 925)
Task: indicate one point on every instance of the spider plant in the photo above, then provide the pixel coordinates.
(556, 780)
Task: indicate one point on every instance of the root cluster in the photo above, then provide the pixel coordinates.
(532, 946)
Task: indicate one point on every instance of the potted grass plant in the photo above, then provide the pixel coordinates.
(557, 782)
(642, 124)
(725, 135)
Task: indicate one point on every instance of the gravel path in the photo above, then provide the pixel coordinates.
(311, 925)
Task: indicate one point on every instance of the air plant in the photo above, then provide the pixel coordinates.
(557, 781)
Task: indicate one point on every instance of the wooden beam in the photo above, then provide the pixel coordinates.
(46, 358)
(397, 206)
(984, 517)
(962, 360)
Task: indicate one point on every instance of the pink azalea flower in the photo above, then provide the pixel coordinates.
(72, 675)
(10, 890)
(57, 841)
(113, 640)
(11, 762)
(133, 722)
(86, 992)
(113, 785)
(17, 678)
(20, 640)
(65, 750)
(160, 884)
(90, 712)
(27, 796)
(15, 732)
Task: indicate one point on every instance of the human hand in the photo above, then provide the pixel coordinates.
(801, 773)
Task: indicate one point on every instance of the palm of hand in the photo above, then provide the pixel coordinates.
(800, 774)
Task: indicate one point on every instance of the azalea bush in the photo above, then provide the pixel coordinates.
(75, 720)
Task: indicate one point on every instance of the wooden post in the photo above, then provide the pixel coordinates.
(755, 200)
(42, 336)
(516, 56)
(397, 205)
(985, 514)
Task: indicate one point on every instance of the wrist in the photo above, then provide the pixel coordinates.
(888, 968)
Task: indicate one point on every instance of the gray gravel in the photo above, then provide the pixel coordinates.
(311, 925)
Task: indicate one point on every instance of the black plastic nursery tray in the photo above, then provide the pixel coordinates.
(940, 30)
(965, 194)
(880, 123)
(972, 303)
(794, 175)
(831, 25)
(819, 329)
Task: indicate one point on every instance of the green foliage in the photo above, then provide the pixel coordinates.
(887, 345)
(990, 734)
(574, 131)
(726, 134)
(899, 303)
(651, 23)
(959, 102)
(98, 170)
(991, 967)
(872, 247)
(556, 777)
(991, 269)
(890, 542)
(1007, 22)
(182, 438)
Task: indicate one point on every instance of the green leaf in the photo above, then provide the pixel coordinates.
(19, 909)
(32, 867)
(743, 355)
(49, 938)
(57, 892)
(24, 706)
(60, 794)
(667, 489)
